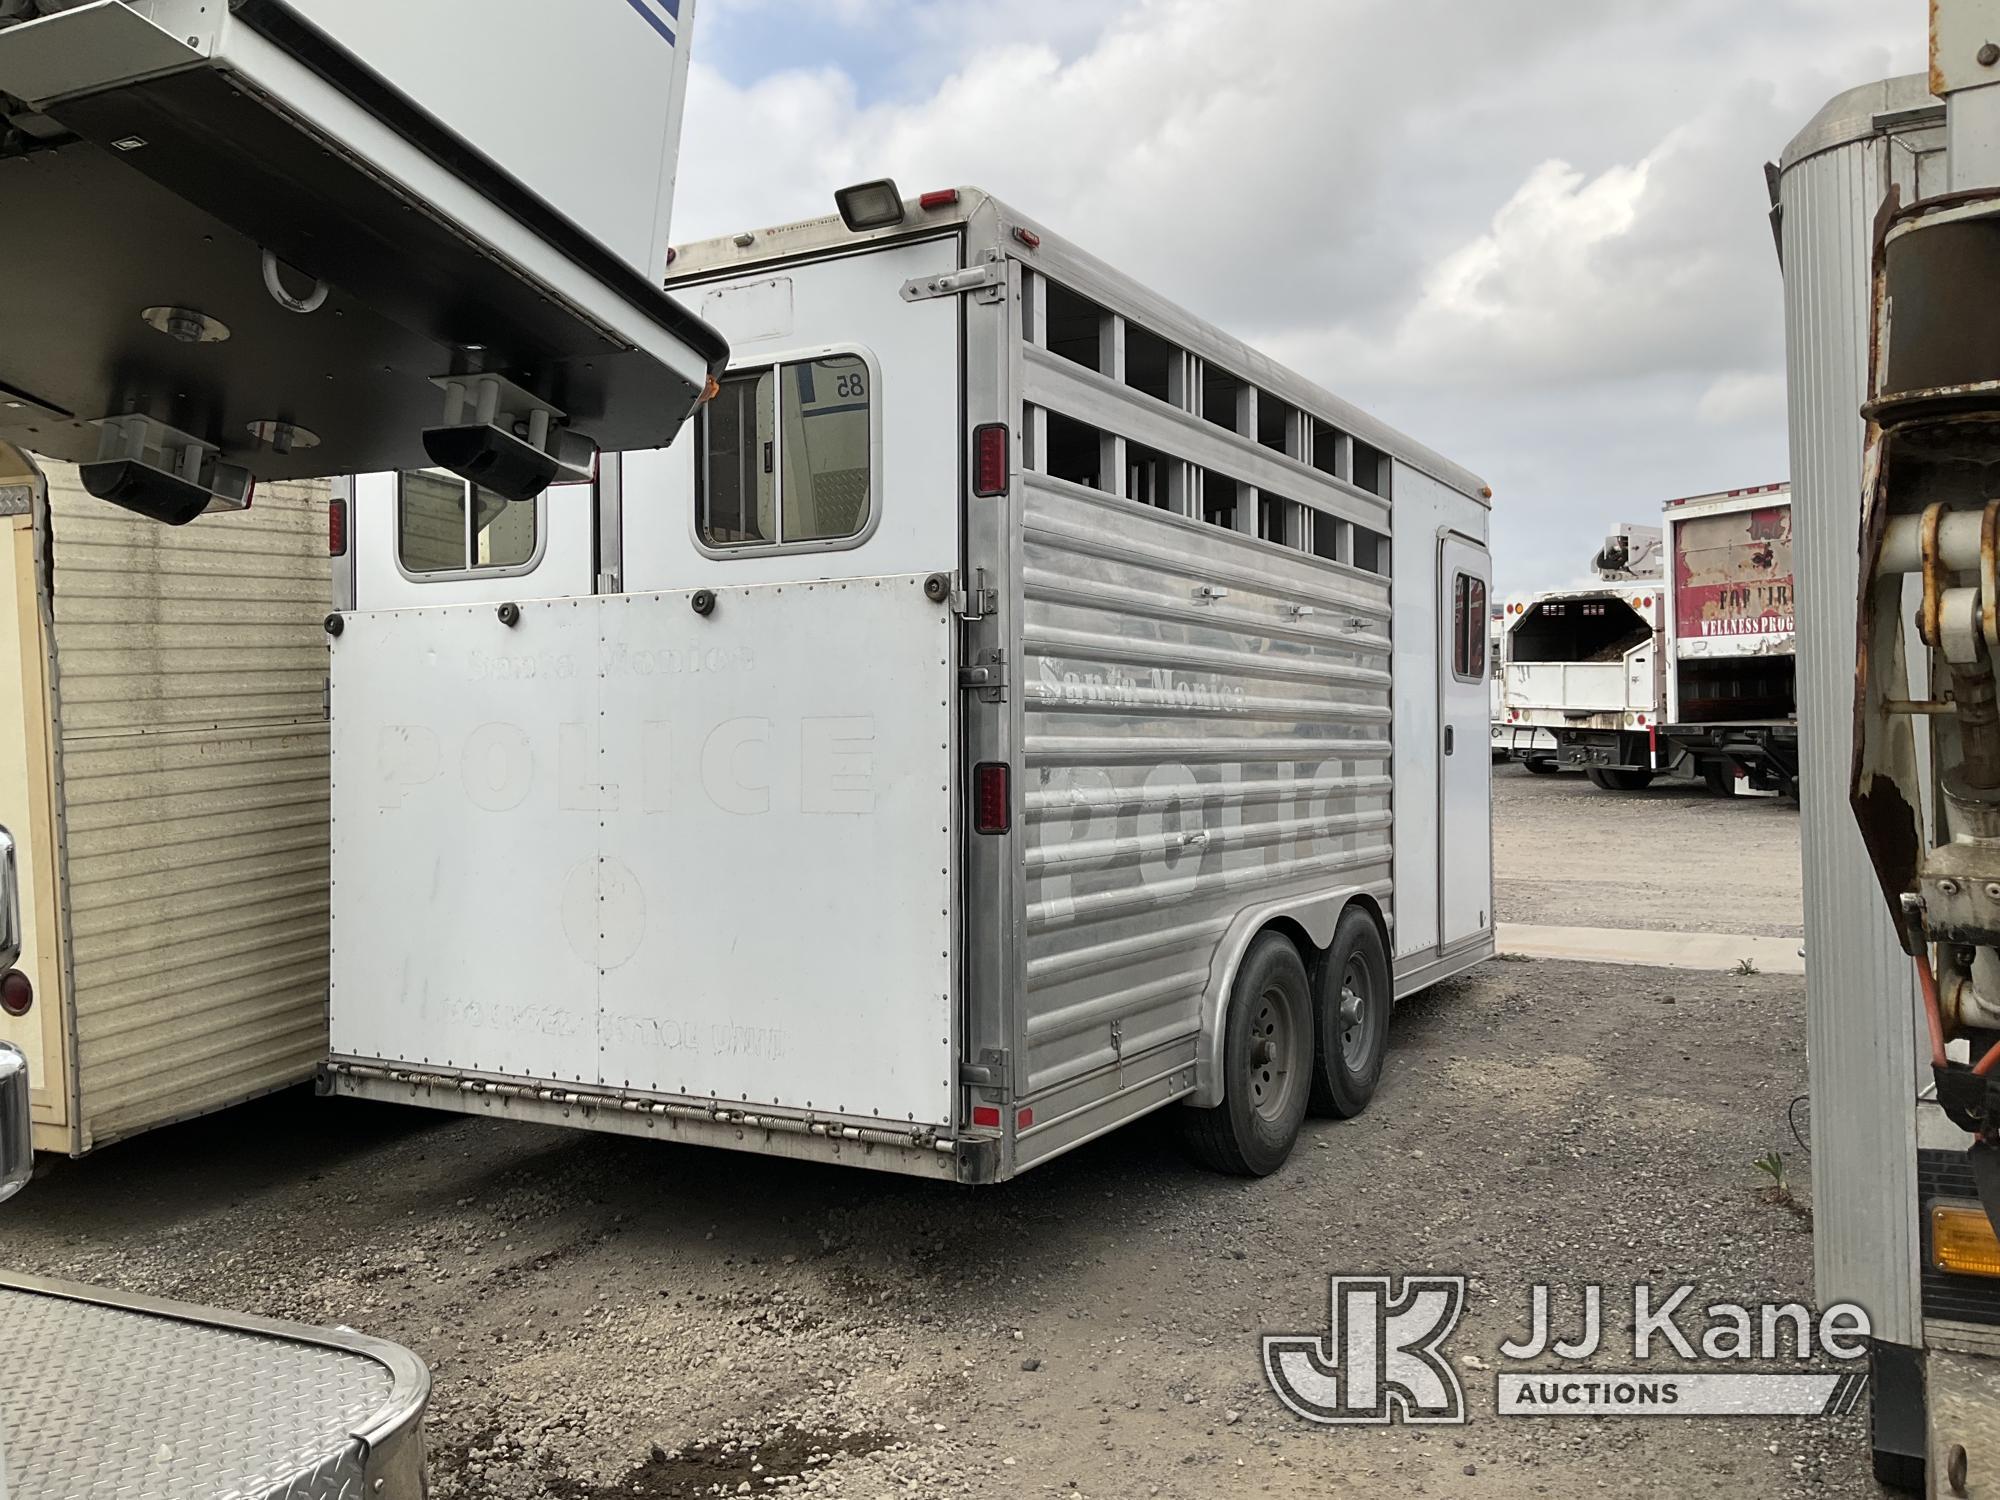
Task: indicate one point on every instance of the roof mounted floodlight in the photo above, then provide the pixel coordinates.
(870, 205)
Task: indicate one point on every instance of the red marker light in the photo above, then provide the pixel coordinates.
(1029, 238)
(986, 1116)
(17, 993)
(992, 798)
(336, 528)
(991, 470)
(1024, 1119)
(942, 198)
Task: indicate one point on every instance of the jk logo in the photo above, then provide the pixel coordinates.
(1382, 1362)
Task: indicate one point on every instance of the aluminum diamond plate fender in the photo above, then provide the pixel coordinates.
(108, 1395)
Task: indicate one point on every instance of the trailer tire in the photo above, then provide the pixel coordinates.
(1719, 777)
(1608, 779)
(1542, 766)
(1267, 1063)
(1353, 997)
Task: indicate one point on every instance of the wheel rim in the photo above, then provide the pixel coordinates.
(1274, 1035)
(1357, 1018)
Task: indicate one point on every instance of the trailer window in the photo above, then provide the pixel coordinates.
(444, 525)
(1468, 628)
(786, 455)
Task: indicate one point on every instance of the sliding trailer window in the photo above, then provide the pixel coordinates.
(447, 528)
(785, 458)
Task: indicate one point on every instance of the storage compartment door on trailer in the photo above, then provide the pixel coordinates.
(631, 843)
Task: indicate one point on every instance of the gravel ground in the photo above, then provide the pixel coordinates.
(1672, 858)
(617, 1318)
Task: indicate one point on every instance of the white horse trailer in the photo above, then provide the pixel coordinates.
(1015, 706)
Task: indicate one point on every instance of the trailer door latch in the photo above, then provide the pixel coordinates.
(990, 1072)
(986, 676)
(988, 282)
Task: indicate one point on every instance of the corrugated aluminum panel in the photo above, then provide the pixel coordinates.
(1185, 758)
(1861, 1011)
(191, 668)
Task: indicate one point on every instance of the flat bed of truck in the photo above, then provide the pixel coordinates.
(103, 1395)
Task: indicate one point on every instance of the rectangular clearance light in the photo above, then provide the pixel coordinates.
(870, 205)
(991, 464)
(1962, 1240)
(992, 798)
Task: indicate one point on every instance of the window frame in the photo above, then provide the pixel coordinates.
(508, 570)
(698, 453)
(1470, 627)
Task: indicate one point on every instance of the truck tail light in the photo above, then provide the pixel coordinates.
(992, 797)
(990, 460)
(1962, 1241)
(17, 993)
(336, 527)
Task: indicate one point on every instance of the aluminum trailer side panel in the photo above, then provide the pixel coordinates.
(1206, 733)
(1862, 1015)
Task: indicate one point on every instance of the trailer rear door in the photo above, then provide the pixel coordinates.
(698, 847)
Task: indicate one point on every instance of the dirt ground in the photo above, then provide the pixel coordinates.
(608, 1317)
(1673, 858)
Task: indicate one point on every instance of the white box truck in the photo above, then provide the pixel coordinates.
(1016, 706)
(281, 239)
(163, 764)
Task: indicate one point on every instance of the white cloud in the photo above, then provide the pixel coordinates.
(1530, 232)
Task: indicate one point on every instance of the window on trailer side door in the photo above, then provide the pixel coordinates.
(786, 456)
(434, 534)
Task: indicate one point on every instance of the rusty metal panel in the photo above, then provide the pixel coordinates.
(1861, 1002)
(192, 764)
(1207, 724)
(1733, 578)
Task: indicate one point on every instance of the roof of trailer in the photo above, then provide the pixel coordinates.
(705, 260)
(1888, 105)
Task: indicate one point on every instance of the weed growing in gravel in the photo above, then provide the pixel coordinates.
(1745, 967)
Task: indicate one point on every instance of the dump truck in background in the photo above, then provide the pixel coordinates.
(1582, 684)
(1731, 652)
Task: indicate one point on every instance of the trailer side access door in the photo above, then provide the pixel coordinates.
(695, 845)
(1465, 858)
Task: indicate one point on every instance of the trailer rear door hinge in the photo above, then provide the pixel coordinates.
(988, 283)
(986, 676)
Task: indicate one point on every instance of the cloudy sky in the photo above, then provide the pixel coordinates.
(1530, 233)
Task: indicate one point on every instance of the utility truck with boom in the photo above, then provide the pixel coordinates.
(1583, 668)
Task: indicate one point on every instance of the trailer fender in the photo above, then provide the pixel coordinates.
(1314, 918)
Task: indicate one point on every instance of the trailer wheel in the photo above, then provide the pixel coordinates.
(1353, 998)
(1607, 779)
(1720, 777)
(1267, 1061)
(1542, 766)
